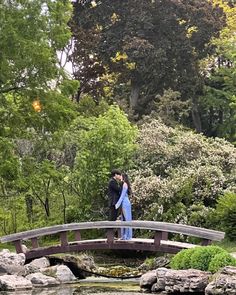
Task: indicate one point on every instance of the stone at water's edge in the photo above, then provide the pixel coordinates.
(190, 281)
(186, 281)
(224, 282)
(13, 282)
(39, 279)
(148, 279)
(175, 281)
(61, 272)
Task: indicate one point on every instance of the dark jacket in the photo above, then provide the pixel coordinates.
(114, 191)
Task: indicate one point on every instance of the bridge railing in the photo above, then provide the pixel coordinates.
(161, 230)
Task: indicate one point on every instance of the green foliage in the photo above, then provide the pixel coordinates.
(170, 109)
(179, 174)
(87, 107)
(218, 100)
(104, 142)
(200, 258)
(220, 260)
(31, 34)
(225, 214)
(152, 46)
(182, 259)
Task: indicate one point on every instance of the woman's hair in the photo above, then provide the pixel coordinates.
(126, 179)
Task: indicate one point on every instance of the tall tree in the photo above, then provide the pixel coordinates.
(218, 101)
(153, 45)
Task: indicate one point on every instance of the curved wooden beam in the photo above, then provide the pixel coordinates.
(138, 224)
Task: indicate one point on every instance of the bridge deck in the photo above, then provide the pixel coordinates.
(159, 243)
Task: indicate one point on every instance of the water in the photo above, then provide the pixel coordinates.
(89, 286)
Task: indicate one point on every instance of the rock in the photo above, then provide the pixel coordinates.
(11, 263)
(13, 282)
(148, 279)
(61, 272)
(11, 258)
(184, 281)
(155, 263)
(83, 261)
(224, 282)
(12, 270)
(160, 284)
(39, 263)
(39, 279)
(30, 268)
(24, 248)
(79, 265)
(64, 274)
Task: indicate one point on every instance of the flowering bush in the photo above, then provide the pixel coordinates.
(180, 174)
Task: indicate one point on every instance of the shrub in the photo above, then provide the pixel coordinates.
(226, 214)
(198, 258)
(220, 260)
(182, 259)
(202, 256)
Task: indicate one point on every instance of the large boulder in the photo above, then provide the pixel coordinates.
(11, 263)
(11, 258)
(224, 282)
(39, 263)
(81, 265)
(184, 281)
(61, 272)
(84, 261)
(175, 281)
(13, 282)
(148, 279)
(38, 279)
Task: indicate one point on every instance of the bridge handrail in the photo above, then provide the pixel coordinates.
(138, 224)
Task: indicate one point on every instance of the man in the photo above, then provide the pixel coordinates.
(114, 191)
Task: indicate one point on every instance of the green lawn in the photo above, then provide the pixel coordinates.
(230, 246)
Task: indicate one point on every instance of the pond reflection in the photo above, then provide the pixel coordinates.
(103, 288)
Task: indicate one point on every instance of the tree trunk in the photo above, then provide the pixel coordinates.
(29, 208)
(134, 95)
(46, 206)
(196, 116)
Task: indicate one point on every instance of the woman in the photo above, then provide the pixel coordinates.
(124, 202)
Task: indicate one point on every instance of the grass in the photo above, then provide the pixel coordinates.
(229, 246)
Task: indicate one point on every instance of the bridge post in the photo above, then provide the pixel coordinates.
(63, 237)
(206, 242)
(160, 235)
(34, 242)
(77, 235)
(18, 246)
(110, 235)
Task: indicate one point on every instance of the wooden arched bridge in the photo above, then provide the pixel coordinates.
(159, 242)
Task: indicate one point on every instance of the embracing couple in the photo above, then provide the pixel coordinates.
(119, 190)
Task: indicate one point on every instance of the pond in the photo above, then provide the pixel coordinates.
(88, 286)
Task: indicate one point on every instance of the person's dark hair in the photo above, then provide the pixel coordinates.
(126, 179)
(114, 172)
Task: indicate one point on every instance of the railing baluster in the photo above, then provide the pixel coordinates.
(18, 246)
(160, 235)
(206, 242)
(63, 237)
(77, 235)
(34, 242)
(110, 236)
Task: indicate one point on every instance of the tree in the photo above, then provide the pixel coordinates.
(31, 33)
(153, 45)
(35, 104)
(218, 101)
(103, 143)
